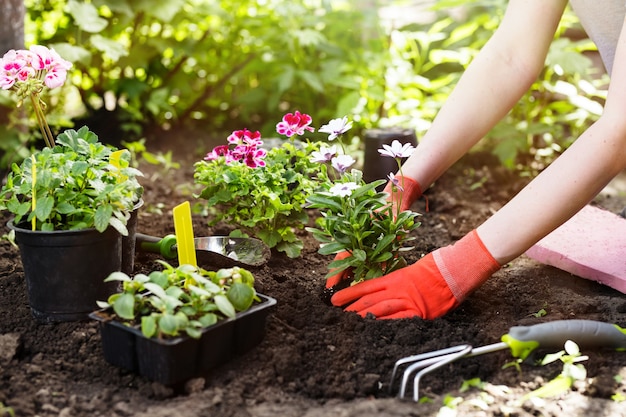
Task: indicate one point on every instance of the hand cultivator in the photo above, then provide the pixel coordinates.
(522, 340)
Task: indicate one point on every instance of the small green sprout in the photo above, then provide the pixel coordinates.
(572, 371)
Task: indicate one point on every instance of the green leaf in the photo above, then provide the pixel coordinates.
(158, 277)
(208, 319)
(359, 254)
(155, 289)
(113, 49)
(44, 208)
(241, 296)
(383, 244)
(224, 305)
(102, 217)
(117, 276)
(86, 16)
(124, 306)
(193, 332)
(148, 326)
(556, 386)
(331, 248)
(169, 324)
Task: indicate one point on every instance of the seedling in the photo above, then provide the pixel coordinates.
(180, 300)
(572, 371)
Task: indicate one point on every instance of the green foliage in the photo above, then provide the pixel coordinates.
(180, 300)
(362, 223)
(74, 185)
(187, 60)
(267, 202)
(215, 61)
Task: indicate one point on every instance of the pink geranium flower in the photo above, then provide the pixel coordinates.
(294, 124)
(27, 72)
(245, 149)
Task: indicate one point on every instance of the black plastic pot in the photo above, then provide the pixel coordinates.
(376, 166)
(176, 360)
(128, 242)
(65, 270)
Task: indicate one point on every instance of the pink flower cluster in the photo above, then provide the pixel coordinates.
(36, 64)
(294, 124)
(246, 149)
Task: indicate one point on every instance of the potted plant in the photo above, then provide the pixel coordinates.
(179, 323)
(355, 217)
(263, 193)
(71, 200)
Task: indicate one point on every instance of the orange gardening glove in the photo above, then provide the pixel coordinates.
(337, 278)
(411, 192)
(429, 288)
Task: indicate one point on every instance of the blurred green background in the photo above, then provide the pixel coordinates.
(143, 68)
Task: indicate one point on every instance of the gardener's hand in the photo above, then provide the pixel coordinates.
(405, 195)
(429, 288)
(345, 274)
(410, 192)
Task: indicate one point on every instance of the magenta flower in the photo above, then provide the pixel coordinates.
(216, 153)
(254, 158)
(397, 150)
(294, 124)
(336, 128)
(245, 137)
(245, 149)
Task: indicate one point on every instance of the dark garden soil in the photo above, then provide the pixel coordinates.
(317, 360)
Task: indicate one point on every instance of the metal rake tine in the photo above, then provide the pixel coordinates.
(444, 361)
(423, 357)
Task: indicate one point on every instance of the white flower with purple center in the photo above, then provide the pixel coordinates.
(336, 127)
(395, 181)
(325, 154)
(397, 150)
(342, 162)
(343, 189)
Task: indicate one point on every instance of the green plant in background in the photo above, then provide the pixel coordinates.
(74, 185)
(262, 193)
(137, 63)
(180, 300)
(181, 61)
(355, 217)
(77, 183)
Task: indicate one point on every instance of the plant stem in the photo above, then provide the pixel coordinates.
(43, 124)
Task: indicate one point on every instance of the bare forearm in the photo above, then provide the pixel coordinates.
(497, 78)
(558, 193)
(468, 114)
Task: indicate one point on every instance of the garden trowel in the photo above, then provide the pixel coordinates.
(215, 250)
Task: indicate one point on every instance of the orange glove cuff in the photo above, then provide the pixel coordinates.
(465, 265)
(410, 192)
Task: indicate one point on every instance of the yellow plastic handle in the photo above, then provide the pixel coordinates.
(184, 235)
(34, 201)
